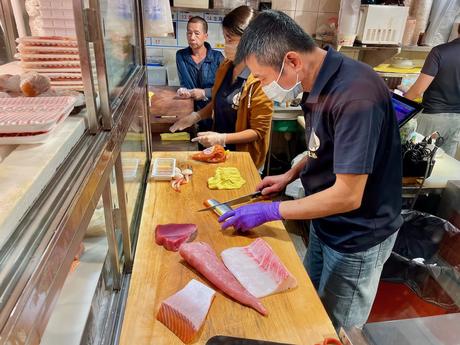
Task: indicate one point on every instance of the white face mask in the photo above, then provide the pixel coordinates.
(277, 93)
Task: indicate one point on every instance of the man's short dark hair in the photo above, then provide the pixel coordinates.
(198, 19)
(270, 36)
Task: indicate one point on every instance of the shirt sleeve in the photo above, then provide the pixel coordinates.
(357, 129)
(432, 62)
(208, 92)
(184, 74)
(180, 69)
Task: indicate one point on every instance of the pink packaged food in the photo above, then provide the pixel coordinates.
(52, 63)
(62, 76)
(33, 115)
(26, 49)
(60, 41)
(45, 57)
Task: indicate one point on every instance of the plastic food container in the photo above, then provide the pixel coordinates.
(163, 169)
(130, 168)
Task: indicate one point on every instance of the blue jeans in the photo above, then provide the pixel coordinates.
(346, 282)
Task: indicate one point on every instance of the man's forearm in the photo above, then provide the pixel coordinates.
(295, 171)
(412, 94)
(318, 205)
(344, 196)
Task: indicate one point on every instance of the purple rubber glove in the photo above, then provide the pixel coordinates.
(249, 216)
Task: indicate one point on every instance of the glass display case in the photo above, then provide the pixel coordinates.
(120, 42)
(66, 247)
(134, 163)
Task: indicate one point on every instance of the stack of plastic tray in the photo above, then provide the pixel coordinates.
(31, 120)
(55, 57)
(51, 17)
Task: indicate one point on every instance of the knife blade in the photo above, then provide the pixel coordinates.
(236, 201)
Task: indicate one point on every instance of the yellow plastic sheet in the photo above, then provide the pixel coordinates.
(226, 178)
(386, 68)
(180, 136)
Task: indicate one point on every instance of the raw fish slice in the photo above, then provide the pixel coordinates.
(258, 269)
(171, 236)
(202, 257)
(185, 311)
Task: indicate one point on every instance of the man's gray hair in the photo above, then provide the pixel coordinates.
(270, 36)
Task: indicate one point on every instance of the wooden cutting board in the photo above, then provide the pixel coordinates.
(295, 317)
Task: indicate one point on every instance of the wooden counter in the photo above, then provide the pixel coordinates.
(295, 317)
(164, 102)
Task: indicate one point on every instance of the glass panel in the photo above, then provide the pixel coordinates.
(116, 208)
(3, 55)
(83, 296)
(133, 159)
(120, 42)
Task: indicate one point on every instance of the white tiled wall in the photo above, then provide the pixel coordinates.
(284, 5)
(309, 14)
(164, 49)
(307, 5)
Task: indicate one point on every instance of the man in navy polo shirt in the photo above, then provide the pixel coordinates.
(352, 175)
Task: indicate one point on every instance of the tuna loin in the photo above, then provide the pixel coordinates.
(202, 257)
(185, 311)
(258, 269)
(171, 236)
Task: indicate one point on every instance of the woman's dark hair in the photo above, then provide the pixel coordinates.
(236, 21)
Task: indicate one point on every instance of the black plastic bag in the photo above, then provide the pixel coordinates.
(434, 275)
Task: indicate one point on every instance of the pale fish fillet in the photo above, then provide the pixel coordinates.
(185, 311)
(258, 269)
(202, 257)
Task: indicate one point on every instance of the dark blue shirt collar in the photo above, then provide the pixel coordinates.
(329, 68)
(208, 58)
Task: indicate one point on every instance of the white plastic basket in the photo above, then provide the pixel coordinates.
(381, 24)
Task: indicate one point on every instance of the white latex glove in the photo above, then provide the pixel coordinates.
(185, 122)
(182, 92)
(208, 139)
(198, 94)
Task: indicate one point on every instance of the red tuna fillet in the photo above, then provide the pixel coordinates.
(202, 257)
(171, 236)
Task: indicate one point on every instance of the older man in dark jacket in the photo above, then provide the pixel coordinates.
(197, 65)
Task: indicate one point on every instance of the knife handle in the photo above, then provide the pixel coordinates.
(256, 194)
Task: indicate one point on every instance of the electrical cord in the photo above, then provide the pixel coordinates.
(416, 152)
(422, 152)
